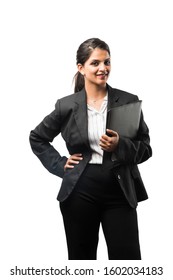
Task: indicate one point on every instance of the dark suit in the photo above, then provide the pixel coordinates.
(70, 119)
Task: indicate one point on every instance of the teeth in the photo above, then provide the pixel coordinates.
(102, 74)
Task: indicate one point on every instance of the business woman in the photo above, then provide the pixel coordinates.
(95, 190)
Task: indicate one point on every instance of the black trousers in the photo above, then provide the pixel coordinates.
(98, 200)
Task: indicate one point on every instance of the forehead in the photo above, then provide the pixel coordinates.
(99, 54)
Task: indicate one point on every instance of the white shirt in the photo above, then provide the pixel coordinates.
(96, 128)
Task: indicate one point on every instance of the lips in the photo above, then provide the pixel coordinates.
(102, 75)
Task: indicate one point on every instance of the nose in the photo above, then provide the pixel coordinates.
(102, 67)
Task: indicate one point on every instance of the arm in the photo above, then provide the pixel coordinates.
(40, 139)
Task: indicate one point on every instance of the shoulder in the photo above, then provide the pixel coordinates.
(67, 104)
(67, 98)
(64, 105)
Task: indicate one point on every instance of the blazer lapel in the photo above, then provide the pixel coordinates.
(113, 98)
(80, 115)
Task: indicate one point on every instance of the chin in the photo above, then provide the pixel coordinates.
(102, 83)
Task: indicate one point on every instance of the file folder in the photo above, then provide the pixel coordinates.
(125, 119)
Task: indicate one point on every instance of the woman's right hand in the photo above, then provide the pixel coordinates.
(72, 161)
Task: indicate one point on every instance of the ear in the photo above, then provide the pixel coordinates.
(80, 68)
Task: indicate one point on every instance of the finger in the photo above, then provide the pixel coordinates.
(111, 132)
(108, 141)
(102, 145)
(72, 161)
(103, 142)
(77, 155)
(68, 166)
(105, 146)
(105, 137)
(75, 158)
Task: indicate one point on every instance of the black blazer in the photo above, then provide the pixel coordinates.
(70, 119)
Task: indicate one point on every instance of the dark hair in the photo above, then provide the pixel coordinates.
(83, 53)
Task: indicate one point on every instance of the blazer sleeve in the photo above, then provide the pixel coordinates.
(40, 139)
(134, 151)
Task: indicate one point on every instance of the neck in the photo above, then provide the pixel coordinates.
(95, 92)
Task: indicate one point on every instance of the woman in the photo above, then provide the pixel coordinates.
(95, 190)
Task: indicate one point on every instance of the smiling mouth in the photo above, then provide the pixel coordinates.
(103, 74)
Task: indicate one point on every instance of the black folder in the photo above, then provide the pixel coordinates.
(125, 119)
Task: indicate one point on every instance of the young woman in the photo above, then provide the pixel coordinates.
(95, 190)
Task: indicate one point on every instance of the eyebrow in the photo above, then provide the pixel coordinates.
(94, 59)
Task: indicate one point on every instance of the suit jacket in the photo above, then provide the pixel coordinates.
(70, 119)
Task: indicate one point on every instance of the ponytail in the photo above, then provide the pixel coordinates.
(78, 82)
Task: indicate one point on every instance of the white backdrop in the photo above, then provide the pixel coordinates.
(38, 46)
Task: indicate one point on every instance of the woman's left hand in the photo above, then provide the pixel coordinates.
(109, 143)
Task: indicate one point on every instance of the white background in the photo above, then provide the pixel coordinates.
(39, 40)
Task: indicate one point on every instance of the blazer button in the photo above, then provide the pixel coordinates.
(119, 177)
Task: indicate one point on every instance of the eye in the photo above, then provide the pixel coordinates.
(95, 63)
(107, 62)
